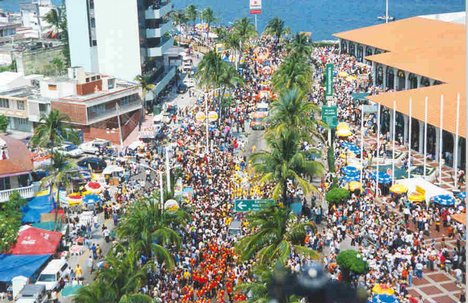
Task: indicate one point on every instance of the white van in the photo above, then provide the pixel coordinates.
(32, 293)
(54, 271)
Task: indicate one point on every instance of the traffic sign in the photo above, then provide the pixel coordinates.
(329, 78)
(243, 205)
(329, 115)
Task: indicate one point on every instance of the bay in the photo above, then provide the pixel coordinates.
(321, 17)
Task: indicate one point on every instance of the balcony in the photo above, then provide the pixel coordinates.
(163, 47)
(25, 192)
(157, 12)
(159, 32)
(94, 117)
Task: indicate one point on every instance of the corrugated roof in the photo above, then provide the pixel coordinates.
(18, 158)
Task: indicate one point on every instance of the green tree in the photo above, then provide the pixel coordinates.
(58, 65)
(245, 30)
(351, 262)
(14, 204)
(191, 14)
(276, 28)
(337, 195)
(3, 123)
(274, 234)
(294, 72)
(146, 86)
(54, 18)
(10, 220)
(232, 42)
(178, 17)
(146, 224)
(208, 16)
(53, 130)
(210, 70)
(300, 45)
(285, 162)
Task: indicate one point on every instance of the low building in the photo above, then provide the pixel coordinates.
(419, 61)
(15, 169)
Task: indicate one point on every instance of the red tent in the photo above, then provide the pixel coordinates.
(36, 241)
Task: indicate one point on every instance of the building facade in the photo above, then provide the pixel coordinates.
(126, 41)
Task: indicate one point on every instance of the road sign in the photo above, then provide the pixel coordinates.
(329, 83)
(251, 205)
(329, 115)
(255, 7)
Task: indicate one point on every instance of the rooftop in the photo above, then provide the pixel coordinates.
(17, 164)
(431, 46)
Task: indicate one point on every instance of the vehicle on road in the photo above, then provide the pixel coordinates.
(51, 275)
(257, 122)
(262, 109)
(95, 164)
(70, 150)
(93, 147)
(182, 89)
(33, 293)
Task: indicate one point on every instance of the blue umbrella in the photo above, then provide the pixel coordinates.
(348, 178)
(462, 195)
(383, 178)
(444, 200)
(350, 171)
(91, 199)
(385, 299)
(351, 147)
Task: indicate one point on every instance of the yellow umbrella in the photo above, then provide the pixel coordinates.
(351, 78)
(342, 125)
(343, 133)
(398, 189)
(343, 74)
(382, 289)
(416, 197)
(353, 185)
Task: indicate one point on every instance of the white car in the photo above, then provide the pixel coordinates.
(70, 150)
(52, 273)
(32, 293)
(92, 147)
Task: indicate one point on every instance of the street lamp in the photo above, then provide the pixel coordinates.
(206, 118)
(160, 181)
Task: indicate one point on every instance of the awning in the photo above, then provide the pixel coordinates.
(461, 218)
(20, 265)
(36, 241)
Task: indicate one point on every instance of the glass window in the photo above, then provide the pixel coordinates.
(5, 103)
(52, 87)
(42, 107)
(5, 183)
(20, 105)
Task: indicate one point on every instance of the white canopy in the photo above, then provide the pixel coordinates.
(431, 189)
(112, 169)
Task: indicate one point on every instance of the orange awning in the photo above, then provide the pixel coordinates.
(461, 218)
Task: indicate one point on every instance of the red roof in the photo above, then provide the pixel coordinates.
(18, 160)
(36, 241)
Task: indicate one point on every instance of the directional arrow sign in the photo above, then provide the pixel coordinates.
(251, 205)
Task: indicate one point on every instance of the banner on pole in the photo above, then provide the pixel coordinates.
(330, 115)
(255, 7)
(329, 83)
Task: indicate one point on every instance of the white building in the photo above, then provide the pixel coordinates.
(32, 16)
(122, 38)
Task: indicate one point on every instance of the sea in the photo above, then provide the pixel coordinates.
(321, 17)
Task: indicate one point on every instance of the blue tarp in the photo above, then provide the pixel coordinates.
(37, 206)
(20, 265)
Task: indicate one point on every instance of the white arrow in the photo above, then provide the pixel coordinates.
(241, 205)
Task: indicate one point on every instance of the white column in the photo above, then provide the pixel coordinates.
(421, 137)
(405, 129)
(407, 83)
(437, 143)
(410, 128)
(455, 144)
(395, 79)
(431, 82)
(384, 76)
(374, 73)
(339, 46)
(441, 138)
(378, 151)
(419, 81)
(425, 136)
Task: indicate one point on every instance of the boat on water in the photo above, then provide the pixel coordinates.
(382, 18)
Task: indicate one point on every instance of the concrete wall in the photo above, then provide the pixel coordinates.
(38, 61)
(117, 36)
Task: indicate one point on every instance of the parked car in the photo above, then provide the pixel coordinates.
(52, 273)
(262, 109)
(70, 150)
(93, 147)
(33, 293)
(257, 122)
(96, 164)
(182, 89)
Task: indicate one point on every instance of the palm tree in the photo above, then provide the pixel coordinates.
(245, 30)
(96, 291)
(228, 80)
(294, 72)
(292, 111)
(285, 162)
(232, 42)
(210, 70)
(275, 234)
(54, 18)
(300, 45)
(146, 86)
(275, 27)
(208, 16)
(53, 130)
(136, 298)
(191, 14)
(178, 17)
(146, 224)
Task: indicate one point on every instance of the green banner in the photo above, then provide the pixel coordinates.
(244, 205)
(329, 83)
(330, 115)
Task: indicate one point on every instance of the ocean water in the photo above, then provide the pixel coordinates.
(321, 17)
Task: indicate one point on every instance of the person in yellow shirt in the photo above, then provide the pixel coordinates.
(78, 272)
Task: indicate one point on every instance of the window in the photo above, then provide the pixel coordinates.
(94, 42)
(5, 103)
(87, 80)
(20, 105)
(5, 183)
(21, 121)
(93, 23)
(52, 87)
(42, 108)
